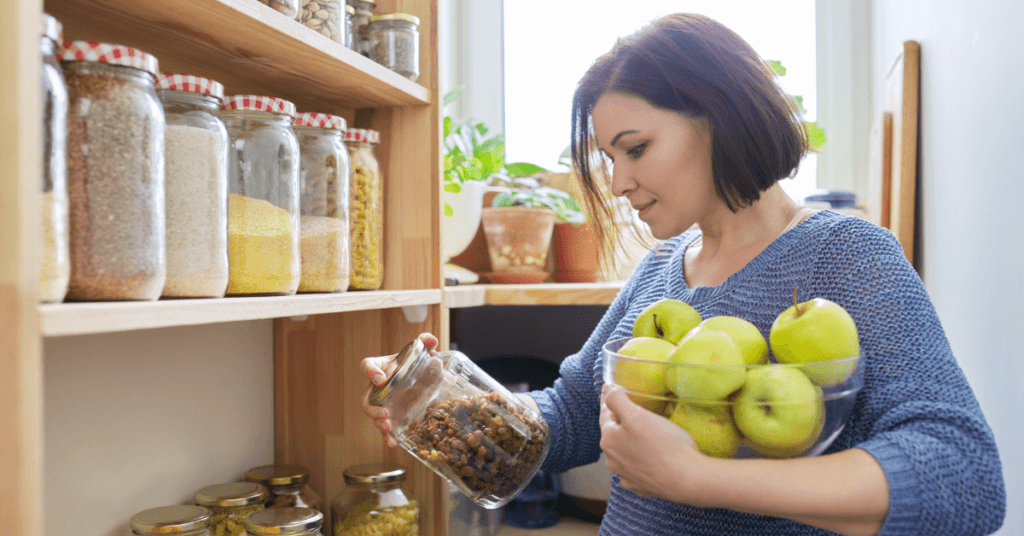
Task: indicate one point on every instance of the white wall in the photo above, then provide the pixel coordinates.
(972, 110)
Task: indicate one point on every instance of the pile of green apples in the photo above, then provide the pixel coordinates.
(713, 377)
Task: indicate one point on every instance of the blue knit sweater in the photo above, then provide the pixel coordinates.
(916, 414)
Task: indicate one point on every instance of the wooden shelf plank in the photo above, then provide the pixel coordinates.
(245, 45)
(104, 317)
(601, 293)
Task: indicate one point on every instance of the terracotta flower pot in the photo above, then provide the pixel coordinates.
(518, 238)
(475, 256)
(576, 253)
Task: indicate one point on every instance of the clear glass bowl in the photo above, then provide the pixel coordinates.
(740, 411)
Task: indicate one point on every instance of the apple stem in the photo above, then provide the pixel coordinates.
(657, 327)
(796, 304)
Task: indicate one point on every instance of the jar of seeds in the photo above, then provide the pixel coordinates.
(324, 203)
(287, 486)
(185, 520)
(115, 151)
(196, 186)
(288, 8)
(366, 211)
(230, 504)
(55, 268)
(349, 13)
(263, 199)
(285, 522)
(395, 43)
(362, 11)
(325, 17)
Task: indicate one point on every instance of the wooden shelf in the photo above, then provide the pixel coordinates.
(540, 294)
(104, 317)
(245, 45)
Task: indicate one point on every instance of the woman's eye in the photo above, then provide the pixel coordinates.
(636, 150)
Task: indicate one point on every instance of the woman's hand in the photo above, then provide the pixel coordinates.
(378, 370)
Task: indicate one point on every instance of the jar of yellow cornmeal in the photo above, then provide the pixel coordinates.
(366, 207)
(263, 203)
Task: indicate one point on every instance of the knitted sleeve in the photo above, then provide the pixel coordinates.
(917, 414)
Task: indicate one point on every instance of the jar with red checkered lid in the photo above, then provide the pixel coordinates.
(324, 202)
(55, 265)
(196, 186)
(366, 206)
(115, 152)
(263, 198)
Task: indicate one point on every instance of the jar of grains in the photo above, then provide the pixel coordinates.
(324, 203)
(287, 485)
(349, 13)
(285, 521)
(55, 267)
(288, 8)
(229, 504)
(374, 502)
(263, 203)
(325, 17)
(115, 151)
(463, 424)
(395, 43)
(362, 10)
(186, 520)
(196, 186)
(366, 211)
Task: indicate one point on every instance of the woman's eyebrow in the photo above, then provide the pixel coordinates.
(621, 134)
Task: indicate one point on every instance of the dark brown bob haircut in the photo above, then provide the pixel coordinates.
(695, 66)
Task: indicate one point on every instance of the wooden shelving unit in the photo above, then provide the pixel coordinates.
(541, 294)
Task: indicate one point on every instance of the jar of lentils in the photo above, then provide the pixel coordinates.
(229, 504)
(366, 211)
(196, 186)
(375, 501)
(326, 17)
(362, 10)
(263, 199)
(115, 151)
(324, 203)
(395, 43)
(288, 8)
(186, 520)
(55, 268)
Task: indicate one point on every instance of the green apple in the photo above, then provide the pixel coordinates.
(644, 377)
(746, 336)
(779, 411)
(812, 332)
(711, 427)
(706, 366)
(666, 319)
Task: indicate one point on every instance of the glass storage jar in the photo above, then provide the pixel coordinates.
(463, 424)
(324, 202)
(366, 211)
(326, 17)
(395, 43)
(229, 504)
(288, 8)
(263, 199)
(362, 10)
(195, 186)
(287, 485)
(55, 263)
(115, 151)
(374, 501)
(349, 13)
(285, 521)
(185, 520)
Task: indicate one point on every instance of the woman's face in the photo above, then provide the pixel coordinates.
(661, 161)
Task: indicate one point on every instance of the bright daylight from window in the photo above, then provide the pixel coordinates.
(549, 45)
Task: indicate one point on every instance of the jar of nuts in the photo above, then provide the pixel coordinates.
(375, 502)
(362, 11)
(185, 520)
(229, 504)
(55, 264)
(285, 521)
(326, 17)
(395, 43)
(366, 211)
(288, 8)
(463, 424)
(287, 485)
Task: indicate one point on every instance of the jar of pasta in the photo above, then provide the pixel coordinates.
(287, 485)
(229, 504)
(362, 11)
(185, 520)
(324, 203)
(263, 199)
(55, 269)
(395, 43)
(374, 501)
(286, 521)
(366, 211)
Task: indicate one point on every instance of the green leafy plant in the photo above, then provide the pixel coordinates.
(527, 192)
(815, 134)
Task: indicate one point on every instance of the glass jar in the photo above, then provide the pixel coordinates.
(263, 199)
(463, 424)
(325, 17)
(195, 186)
(285, 521)
(349, 13)
(229, 504)
(362, 11)
(366, 211)
(55, 263)
(374, 501)
(395, 43)
(288, 8)
(115, 151)
(287, 485)
(324, 203)
(186, 520)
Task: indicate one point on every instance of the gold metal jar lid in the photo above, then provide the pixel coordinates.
(350, 10)
(278, 475)
(404, 362)
(396, 16)
(232, 494)
(171, 520)
(374, 473)
(289, 520)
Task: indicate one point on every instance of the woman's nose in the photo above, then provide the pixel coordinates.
(621, 184)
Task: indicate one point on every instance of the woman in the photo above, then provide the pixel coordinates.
(698, 132)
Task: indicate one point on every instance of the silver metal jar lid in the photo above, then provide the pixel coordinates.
(171, 520)
(404, 362)
(290, 520)
(232, 494)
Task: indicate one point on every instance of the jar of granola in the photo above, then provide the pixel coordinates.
(55, 269)
(229, 504)
(184, 520)
(374, 501)
(366, 211)
(362, 11)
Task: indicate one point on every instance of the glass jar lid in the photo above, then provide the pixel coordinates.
(309, 119)
(232, 494)
(171, 520)
(257, 103)
(404, 362)
(284, 520)
(374, 473)
(363, 135)
(110, 54)
(52, 29)
(404, 17)
(187, 82)
(278, 475)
